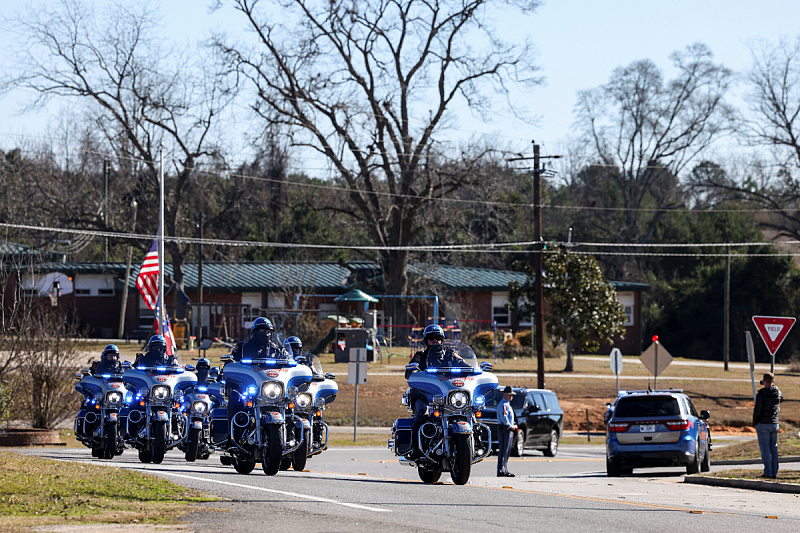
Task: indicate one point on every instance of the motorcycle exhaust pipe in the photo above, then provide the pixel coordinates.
(428, 430)
(91, 417)
(135, 417)
(241, 419)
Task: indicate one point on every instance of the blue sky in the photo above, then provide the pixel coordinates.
(579, 43)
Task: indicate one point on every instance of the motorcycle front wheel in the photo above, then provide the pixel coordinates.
(244, 466)
(272, 453)
(159, 441)
(192, 444)
(300, 455)
(110, 441)
(462, 459)
(146, 456)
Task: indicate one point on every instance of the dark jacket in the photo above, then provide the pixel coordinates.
(768, 406)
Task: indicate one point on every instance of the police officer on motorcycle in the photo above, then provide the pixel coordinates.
(262, 339)
(109, 361)
(432, 337)
(202, 370)
(295, 346)
(156, 354)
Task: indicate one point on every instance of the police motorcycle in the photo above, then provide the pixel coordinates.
(311, 400)
(196, 403)
(151, 422)
(95, 425)
(452, 437)
(262, 388)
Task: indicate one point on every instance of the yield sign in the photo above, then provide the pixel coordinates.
(773, 329)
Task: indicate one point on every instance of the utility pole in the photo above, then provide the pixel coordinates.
(538, 249)
(726, 329)
(105, 208)
(121, 330)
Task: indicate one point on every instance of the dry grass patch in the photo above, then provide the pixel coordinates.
(784, 476)
(37, 491)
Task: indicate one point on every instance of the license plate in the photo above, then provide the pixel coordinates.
(648, 428)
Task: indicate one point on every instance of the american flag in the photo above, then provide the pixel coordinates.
(147, 280)
(166, 331)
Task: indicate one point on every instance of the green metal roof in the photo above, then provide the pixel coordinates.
(234, 277)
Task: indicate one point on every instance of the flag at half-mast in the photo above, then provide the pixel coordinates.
(166, 331)
(147, 280)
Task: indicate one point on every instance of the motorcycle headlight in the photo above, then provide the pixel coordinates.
(303, 400)
(480, 401)
(161, 392)
(320, 403)
(199, 407)
(272, 390)
(459, 399)
(438, 399)
(114, 397)
(292, 392)
(98, 396)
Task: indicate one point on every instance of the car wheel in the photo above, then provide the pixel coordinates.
(552, 446)
(693, 466)
(518, 448)
(612, 470)
(705, 466)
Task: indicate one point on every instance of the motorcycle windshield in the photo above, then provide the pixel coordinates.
(270, 353)
(450, 359)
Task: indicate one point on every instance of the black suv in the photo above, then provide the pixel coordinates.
(538, 415)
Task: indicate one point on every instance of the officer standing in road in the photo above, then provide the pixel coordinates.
(505, 432)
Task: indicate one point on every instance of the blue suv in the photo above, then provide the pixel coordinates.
(656, 428)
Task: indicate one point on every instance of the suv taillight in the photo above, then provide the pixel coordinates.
(618, 427)
(677, 425)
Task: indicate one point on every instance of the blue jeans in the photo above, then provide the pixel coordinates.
(768, 444)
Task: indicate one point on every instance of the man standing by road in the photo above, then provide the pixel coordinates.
(505, 432)
(765, 419)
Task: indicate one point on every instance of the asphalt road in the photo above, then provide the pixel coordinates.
(366, 489)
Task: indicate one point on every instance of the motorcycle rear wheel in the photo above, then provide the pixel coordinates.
(159, 441)
(461, 459)
(428, 476)
(244, 466)
(272, 453)
(300, 455)
(192, 444)
(146, 456)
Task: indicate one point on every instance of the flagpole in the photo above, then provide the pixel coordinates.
(161, 303)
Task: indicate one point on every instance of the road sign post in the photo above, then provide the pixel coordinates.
(773, 331)
(357, 373)
(655, 360)
(616, 364)
(752, 358)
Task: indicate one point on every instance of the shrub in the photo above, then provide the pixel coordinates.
(483, 343)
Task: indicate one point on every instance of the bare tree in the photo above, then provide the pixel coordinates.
(140, 93)
(769, 179)
(368, 86)
(644, 131)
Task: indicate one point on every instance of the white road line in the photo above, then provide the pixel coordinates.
(283, 492)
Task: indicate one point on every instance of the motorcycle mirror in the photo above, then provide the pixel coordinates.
(317, 377)
(486, 366)
(126, 365)
(78, 376)
(85, 371)
(330, 376)
(226, 358)
(190, 368)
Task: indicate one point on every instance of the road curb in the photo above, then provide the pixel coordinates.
(730, 462)
(765, 486)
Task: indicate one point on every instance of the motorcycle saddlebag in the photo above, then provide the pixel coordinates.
(219, 424)
(401, 432)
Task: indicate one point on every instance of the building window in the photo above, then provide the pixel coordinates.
(83, 292)
(500, 312)
(626, 299)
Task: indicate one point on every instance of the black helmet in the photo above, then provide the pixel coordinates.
(110, 353)
(261, 323)
(203, 364)
(157, 342)
(433, 331)
(294, 343)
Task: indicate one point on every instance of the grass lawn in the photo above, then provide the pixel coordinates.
(784, 476)
(36, 491)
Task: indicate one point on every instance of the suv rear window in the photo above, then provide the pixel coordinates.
(641, 406)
